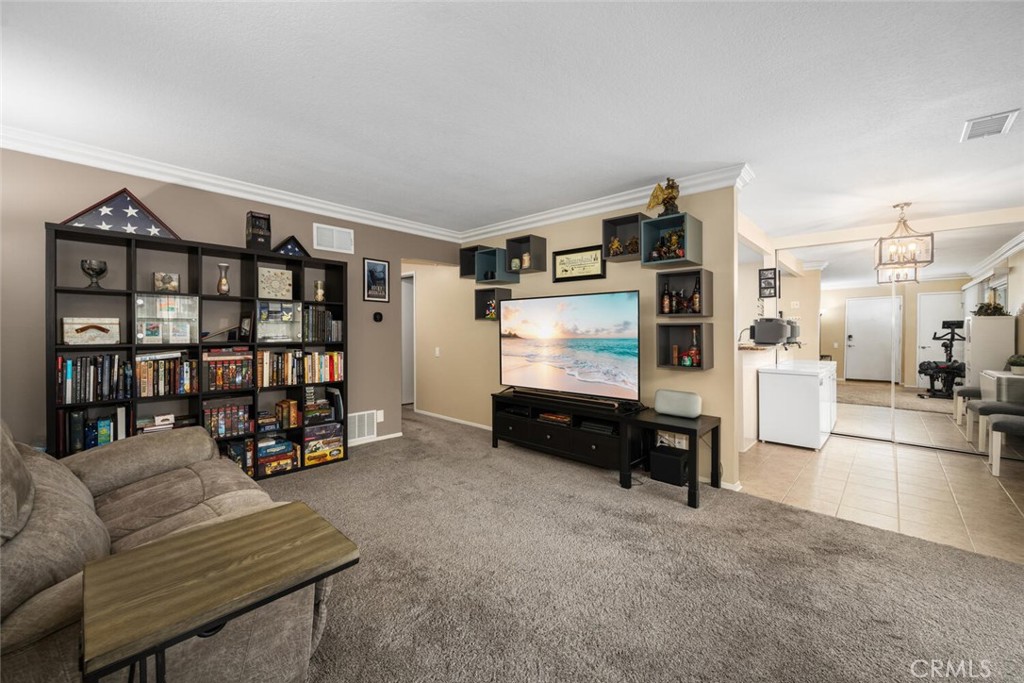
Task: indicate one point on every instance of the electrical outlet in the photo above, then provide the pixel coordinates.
(380, 416)
(794, 305)
(835, 345)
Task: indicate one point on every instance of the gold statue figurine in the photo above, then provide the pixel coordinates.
(666, 196)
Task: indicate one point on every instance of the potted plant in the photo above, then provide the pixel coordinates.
(990, 309)
(1016, 363)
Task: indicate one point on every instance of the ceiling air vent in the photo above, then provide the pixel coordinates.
(330, 238)
(982, 127)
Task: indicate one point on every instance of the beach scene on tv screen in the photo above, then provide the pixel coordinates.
(587, 344)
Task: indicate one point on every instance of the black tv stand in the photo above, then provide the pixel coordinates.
(588, 430)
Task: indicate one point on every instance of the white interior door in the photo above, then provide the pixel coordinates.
(932, 309)
(869, 339)
(408, 339)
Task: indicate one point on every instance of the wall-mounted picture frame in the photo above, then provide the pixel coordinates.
(244, 332)
(768, 283)
(582, 263)
(376, 278)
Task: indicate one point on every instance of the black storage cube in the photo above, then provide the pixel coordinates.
(668, 467)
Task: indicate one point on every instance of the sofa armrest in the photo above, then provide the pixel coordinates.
(120, 463)
(43, 614)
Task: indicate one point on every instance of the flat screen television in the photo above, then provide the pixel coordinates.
(586, 344)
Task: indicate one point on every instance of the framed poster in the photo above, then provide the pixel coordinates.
(375, 280)
(583, 263)
(768, 283)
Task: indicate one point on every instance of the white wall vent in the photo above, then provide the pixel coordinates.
(331, 238)
(362, 427)
(994, 124)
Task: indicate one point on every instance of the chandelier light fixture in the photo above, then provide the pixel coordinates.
(897, 275)
(904, 248)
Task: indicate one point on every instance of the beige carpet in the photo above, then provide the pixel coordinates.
(877, 394)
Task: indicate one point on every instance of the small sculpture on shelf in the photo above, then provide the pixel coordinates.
(615, 246)
(633, 245)
(666, 196)
(223, 286)
(491, 310)
(95, 269)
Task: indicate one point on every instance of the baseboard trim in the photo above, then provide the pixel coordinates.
(732, 487)
(451, 419)
(373, 439)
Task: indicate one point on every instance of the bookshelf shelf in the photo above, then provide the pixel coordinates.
(133, 261)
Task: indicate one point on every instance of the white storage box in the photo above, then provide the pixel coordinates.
(91, 330)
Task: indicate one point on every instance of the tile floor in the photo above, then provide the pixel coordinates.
(936, 495)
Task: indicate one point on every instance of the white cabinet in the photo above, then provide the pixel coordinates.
(990, 341)
(797, 403)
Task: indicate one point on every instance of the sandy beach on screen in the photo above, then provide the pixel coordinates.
(520, 372)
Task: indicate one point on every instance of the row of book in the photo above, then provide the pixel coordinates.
(228, 417)
(228, 368)
(84, 379)
(166, 374)
(324, 366)
(320, 325)
(76, 431)
(277, 368)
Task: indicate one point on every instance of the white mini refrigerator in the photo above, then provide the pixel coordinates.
(797, 402)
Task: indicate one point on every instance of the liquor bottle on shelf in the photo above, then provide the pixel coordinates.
(666, 300)
(694, 351)
(695, 297)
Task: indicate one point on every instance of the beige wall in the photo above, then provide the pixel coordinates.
(833, 319)
(37, 190)
(458, 384)
(800, 298)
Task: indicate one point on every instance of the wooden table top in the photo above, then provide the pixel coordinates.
(652, 418)
(148, 595)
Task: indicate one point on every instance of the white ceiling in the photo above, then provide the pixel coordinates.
(464, 115)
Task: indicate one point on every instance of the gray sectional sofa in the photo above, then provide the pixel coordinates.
(58, 515)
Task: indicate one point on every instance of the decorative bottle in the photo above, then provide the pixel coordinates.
(695, 297)
(666, 300)
(223, 287)
(694, 351)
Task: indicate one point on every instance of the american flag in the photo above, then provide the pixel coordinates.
(291, 247)
(122, 212)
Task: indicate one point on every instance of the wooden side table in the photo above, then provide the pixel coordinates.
(641, 425)
(142, 601)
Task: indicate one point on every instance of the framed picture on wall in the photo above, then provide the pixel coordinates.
(583, 263)
(768, 283)
(375, 280)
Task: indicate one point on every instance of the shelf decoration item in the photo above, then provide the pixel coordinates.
(768, 283)
(527, 260)
(291, 247)
(375, 280)
(319, 294)
(91, 330)
(223, 286)
(166, 282)
(275, 283)
(95, 269)
(122, 212)
(666, 196)
(583, 263)
(257, 231)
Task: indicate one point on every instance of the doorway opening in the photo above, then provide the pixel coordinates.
(409, 340)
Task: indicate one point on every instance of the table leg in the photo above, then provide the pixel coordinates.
(692, 481)
(142, 670)
(716, 459)
(625, 454)
(161, 673)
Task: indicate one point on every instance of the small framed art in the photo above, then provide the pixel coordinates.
(375, 280)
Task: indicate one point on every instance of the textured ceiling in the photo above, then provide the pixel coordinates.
(461, 115)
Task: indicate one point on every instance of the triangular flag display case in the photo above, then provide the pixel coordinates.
(291, 247)
(265, 373)
(123, 213)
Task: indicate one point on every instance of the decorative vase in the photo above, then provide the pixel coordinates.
(95, 269)
(318, 290)
(223, 286)
(1017, 369)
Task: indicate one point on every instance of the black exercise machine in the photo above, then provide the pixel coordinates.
(947, 373)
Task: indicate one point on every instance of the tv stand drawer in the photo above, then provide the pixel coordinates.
(510, 427)
(551, 436)
(602, 451)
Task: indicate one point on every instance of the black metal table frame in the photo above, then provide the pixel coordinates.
(640, 424)
(208, 629)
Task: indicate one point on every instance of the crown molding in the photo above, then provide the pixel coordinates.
(1001, 254)
(20, 140)
(738, 176)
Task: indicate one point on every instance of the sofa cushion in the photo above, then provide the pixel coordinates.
(156, 506)
(16, 489)
(62, 533)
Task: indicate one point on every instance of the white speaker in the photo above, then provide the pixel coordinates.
(678, 403)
